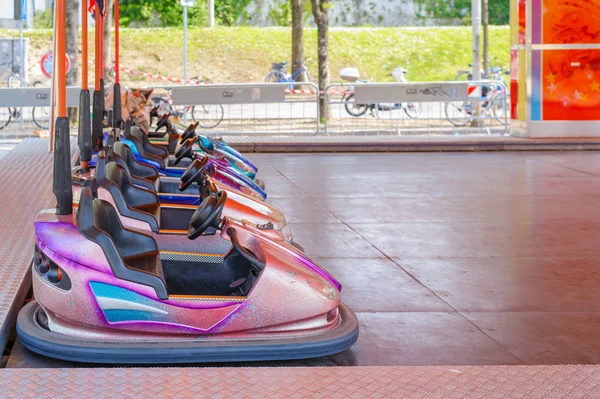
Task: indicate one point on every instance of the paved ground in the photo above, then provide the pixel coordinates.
(450, 258)
(454, 258)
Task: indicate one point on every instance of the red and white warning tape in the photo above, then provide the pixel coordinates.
(159, 77)
(156, 76)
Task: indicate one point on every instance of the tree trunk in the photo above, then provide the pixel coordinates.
(320, 10)
(72, 22)
(298, 36)
(107, 36)
(486, 43)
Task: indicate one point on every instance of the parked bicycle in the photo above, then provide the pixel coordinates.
(494, 104)
(278, 73)
(207, 116)
(493, 73)
(40, 115)
(411, 109)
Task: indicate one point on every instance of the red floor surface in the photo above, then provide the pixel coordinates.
(449, 259)
(313, 382)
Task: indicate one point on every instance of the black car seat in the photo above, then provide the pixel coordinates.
(148, 146)
(162, 162)
(132, 256)
(131, 201)
(124, 157)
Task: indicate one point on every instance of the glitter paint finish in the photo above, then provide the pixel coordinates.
(284, 299)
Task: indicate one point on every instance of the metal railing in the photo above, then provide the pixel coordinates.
(26, 110)
(248, 109)
(431, 108)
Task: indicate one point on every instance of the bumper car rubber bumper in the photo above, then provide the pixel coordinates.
(39, 339)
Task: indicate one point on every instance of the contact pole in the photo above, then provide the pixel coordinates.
(185, 26)
(84, 137)
(62, 152)
(97, 98)
(117, 114)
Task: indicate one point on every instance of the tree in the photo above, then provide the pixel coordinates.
(160, 13)
(72, 7)
(320, 11)
(486, 42)
(297, 36)
(499, 10)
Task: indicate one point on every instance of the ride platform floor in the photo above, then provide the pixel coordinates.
(449, 259)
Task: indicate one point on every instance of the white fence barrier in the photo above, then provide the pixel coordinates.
(431, 108)
(247, 109)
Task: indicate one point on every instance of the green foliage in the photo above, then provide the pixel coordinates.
(244, 54)
(154, 13)
(43, 19)
(281, 13)
(227, 12)
(499, 10)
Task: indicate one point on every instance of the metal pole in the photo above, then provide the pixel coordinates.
(185, 26)
(53, 85)
(211, 13)
(21, 62)
(476, 21)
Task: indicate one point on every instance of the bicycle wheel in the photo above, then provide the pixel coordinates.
(354, 109)
(40, 115)
(5, 116)
(499, 106)
(274, 77)
(163, 105)
(208, 116)
(463, 75)
(459, 113)
(15, 81)
(412, 110)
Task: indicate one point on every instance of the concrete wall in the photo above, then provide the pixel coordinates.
(349, 13)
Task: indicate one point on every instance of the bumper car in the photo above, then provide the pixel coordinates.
(167, 165)
(107, 294)
(125, 179)
(204, 145)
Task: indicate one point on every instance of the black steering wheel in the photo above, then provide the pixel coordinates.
(163, 121)
(193, 173)
(185, 151)
(250, 257)
(207, 215)
(189, 132)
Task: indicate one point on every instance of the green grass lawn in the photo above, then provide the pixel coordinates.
(245, 54)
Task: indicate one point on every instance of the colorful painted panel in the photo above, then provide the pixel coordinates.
(514, 22)
(522, 21)
(571, 21)
(522, 87)
(514, 83)
(571, 84)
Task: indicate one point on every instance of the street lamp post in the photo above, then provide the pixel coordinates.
(185, 4)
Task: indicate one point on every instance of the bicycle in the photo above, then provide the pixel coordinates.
(411, 109)
(278, 73)
(40, 115)
(493, 73)
(208, 116)
(461, 113)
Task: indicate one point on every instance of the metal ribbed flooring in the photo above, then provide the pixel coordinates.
(302, 382)
(448, 259)
(25, 189)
